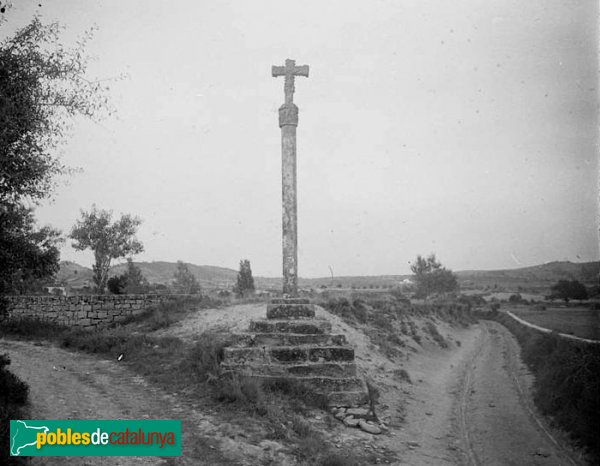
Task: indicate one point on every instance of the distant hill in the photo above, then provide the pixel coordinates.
(532, 278)
(535, 277)
(77, 276)
(162, 272)
(74, 275)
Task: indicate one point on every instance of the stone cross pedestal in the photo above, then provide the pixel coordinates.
(288, 121)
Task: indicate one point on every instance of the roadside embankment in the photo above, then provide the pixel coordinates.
(567, 379)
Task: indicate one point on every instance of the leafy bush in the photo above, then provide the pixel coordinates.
(12, 389)
(515, 298)
(13, 396)
(569, 289)
(117, 284)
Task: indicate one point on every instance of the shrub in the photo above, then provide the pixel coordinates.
(116, 284)
(399, 296)
(472, 300)
(12, 389)
(13, 396)
(435, 334)
(301, 427)
(205, 357)
(238, 388)
(401, 374)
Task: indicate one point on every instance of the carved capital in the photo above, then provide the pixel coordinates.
(288, 115)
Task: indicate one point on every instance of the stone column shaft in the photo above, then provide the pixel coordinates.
(288, 121)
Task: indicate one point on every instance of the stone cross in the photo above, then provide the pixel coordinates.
(288, 121)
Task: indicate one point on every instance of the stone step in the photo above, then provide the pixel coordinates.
(326, 385)
(290, 311)
(288, 354)
(289, 301)
(348, 398)
(299, 370)
(286, 339)
(306, 327)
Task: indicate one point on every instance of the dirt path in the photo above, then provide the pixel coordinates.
(234, 319)
(496, 416)
(65, 384)
(471, 406)
(430, 434)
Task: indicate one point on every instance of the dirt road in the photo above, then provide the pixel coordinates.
(498, 422)
(70, 385)
(472, 406)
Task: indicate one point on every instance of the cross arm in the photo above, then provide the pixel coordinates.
(278, 71)
(301, 71)
(282, 71)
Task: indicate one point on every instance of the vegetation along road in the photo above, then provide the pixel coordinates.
(468, 405)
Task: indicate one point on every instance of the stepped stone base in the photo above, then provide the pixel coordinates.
(293, 344)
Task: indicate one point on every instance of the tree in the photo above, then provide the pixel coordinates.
(132, 281)
(135, 282)
(245, 281)
(42, 87)
(569, 289)
(108, 240)
(430, 277)
(184, 281)
(27, 254)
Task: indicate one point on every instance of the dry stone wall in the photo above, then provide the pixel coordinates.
(80, 311)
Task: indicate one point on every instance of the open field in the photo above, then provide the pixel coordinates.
(581, 322)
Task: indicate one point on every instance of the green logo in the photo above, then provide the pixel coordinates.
(95, 438)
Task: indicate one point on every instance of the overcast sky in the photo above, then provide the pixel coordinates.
(464, 128)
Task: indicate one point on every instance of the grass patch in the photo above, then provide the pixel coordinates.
(567, 381)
